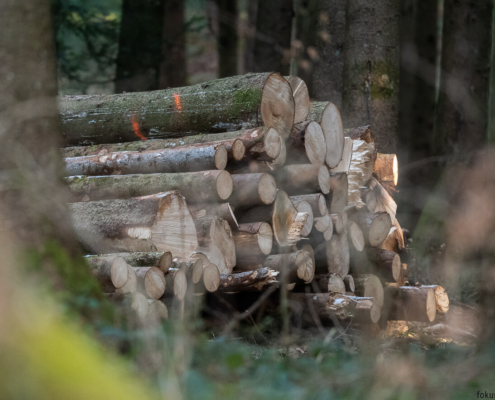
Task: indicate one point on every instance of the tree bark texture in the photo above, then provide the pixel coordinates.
(249, 281)
(371, 69)
(159, 259)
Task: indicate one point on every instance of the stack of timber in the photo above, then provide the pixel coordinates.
(237, 185)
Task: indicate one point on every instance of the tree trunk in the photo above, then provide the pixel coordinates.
(375, 226)
(248, 281)
(316, 201)
(254, 239)
(159, 222)
(303, 179)
(273, 35)
(140, 46)
(301, 98)
(371, 69)
(307, 143)
(227, 38)
(328, 70)
(222, 105)
(160, 259)
(408, 303)
(250, 35)
(196, 187)
(151, 281)
(173, 68)
(223, 211)
(251, 190)
(328, 116)
(369, 286)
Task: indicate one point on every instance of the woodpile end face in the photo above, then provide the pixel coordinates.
(265, 191)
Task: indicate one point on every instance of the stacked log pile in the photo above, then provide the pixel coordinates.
(235, 185)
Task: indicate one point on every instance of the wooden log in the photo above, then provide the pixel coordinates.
(222, 105)
(216, 241)
(253, 239)
(192, 267)
(338, 186)
(377, 199)
(286, 222)
(251, 190)
(307, 143)
(324, 224)
(356, 236)
(375, 226)
(223, 211)
(329, 283)
(303, 179)
(316, 201)
(342, 307)
(345, 163)
(386, 169)
(369, 286)
(200, 157)
(160, 259)
(111, 273)
(196, 187)
(298, 266)
(281, 159)
(301, 98)
(151, 281)
(409, 303)
(160, 222)
(360, 170)
(395, 238)
(328, 116)
(248, 281)
(349, 283)
(304, 207)
(360, 133)
(337, 255)
(338, 222)
(157, 311)
(131, 284)
(441, 297)
(176, 283)
(211, 279)
(386, 264)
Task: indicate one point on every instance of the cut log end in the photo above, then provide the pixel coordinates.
(301, 98)
(265, 238)
(221, 157)
(211, 278)
(333, 130)
(154, 283)
(272, 144)
(369, 286)
(158, 310)
(267, 189)
(322, 224)
(180, 284)
(349, 283)
(305, 266)
(140, 305)
(431, 305)
(314, 143)
(379, 229)
(304, 207)
(165, 261)
(224, 185)
(282, 156)
(396, 268)
(197, 270)
(277, 105)
(238, 150)
(386, 168)
(118, 273)
(324, 179)
(356, 236)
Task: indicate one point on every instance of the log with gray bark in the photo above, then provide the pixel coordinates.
(307, 144)
(386, 264)
(375, 226)
(409, 303)
(360, 133)
(200, 157)
(248, 281)
(251, 190)
(303, 179)
(229, 104)
(317, 202)
(196, 187)
(328, 283)
(161, 222)
(369, 286)
(253, 239)
(159, 259)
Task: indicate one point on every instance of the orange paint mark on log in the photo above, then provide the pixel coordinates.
(177, 102)
(135, 126)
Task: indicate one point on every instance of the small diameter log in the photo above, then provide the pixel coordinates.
(160, 222)
(304, 207)
(324, 224)
(111, 274)
(298, 265)
(176, 283)
(216, 241)
(254, 239)
(303, 179)
(409, 303)
(360, 170)
(345, 163)
(386, 264)
(349, 283)
(193, 268)
(201, 157)
(249, 281)
(196, 187)
(157, 311)
(338, 186)
(375, 226)
(337, 222)
(160, 259)
(386, 169)
(211, 279)
(316, 201)
(356, 236)
(329, 283)
(441, 297)
(221, 105)
(131, 284)
(301, 98)
(251, 190)
(223, 211)
(343, 307)
(282, 157)
(151, 281)
(360, 133)
(328, 116)
(307, 143)
(337, 255)
(139, 303)
(369, 286)
(262, 144)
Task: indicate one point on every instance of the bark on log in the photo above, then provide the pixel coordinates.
(111, 273)
(316, 201)
(329, 283)
(228, 104)
(160, 259)
(307, 143)
(301, 98)
(345, 162)
(337, 255)
(375, 226)
(328, 116)
(386, 168)
(249, 281)
(326, 305)
(251, 190)
(304, 207)
(160, 222)
(254, 239)
(216, 241)
(338, 222)
(196, 187)
(303, 179)
(349, 283)
(151, 281)
(409, 303)
(441, 297)
(395, 238)
(369, 286)
(360, 133)
(361, 169)
(201, 157)
(223, 211)
(386, 264)
(339, 188)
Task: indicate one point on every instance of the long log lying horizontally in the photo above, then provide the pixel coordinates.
(375, 226)
(409, 303)
(254, 239)
(316, 201)
(196, 187)
(329, 283)
(112, 274)
(386, 264)
(200, 157)
(160, 222)
(222, 105)
(151, 281)
(251, 190)
(159, 259)
(303, 179)
(386, 169)
(248, 281)
(369, 286)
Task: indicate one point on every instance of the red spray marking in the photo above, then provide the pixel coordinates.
(177, 102)
(135, 126)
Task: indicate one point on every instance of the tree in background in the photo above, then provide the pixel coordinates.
(371, 69)
(227, 38)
